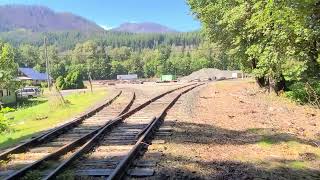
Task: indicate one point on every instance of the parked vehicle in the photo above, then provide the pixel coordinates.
(28, 92)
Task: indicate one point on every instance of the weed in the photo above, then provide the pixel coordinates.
(297, 165)
(33, 175)
(266, 142)
(67, 175)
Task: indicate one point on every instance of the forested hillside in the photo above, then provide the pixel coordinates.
(105, 62)
(104, 55)
(68, 39)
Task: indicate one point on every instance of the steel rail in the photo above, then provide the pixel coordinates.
(63, 150)
(125, 163)
(90, 144)
(54, 132)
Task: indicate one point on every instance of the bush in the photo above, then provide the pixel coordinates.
(4, 123)
(44, 84)
(297, 92)
(308, 92)
(60, 82)
(73, 80)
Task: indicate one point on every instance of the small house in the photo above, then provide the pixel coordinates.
(32, 76)
(7, 96)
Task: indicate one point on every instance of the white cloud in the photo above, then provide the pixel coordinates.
(106, 27)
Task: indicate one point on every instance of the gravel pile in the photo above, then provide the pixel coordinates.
(206, 73)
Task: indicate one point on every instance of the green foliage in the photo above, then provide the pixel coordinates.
(73, 80)
(29, 55)
(117, 68)
(32, 175)
(58, 69)
(277, 41)
(60, 82)
(25, 119)
(8, 68)
(297, 92)
(66, 175)
(38, 68)
(305, 92)
(103, 61)
(105, 55)
(68, 39)
(4, 122)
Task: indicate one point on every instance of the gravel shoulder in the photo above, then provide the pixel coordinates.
(233, 130)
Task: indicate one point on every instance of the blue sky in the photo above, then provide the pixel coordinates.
(111, 13)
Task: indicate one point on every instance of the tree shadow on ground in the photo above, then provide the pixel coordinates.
(226, 170)
(185, 133)
(207, 134)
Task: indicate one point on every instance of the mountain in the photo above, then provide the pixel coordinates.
(42, 19)
(145, 27)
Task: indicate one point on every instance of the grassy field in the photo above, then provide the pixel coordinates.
(43, 113)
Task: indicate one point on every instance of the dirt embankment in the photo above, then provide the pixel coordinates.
(232, 130)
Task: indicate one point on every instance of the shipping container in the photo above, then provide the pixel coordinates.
(167, 78)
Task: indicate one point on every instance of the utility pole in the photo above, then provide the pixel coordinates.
(90, 82)
(47, 63)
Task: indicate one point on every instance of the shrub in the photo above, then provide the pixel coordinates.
(32, 175)
(4, 122)
(297, 92)
(73, 80)
(308, 92)
(60, 82)
(44, 84)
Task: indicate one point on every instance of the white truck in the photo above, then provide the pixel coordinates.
(28, 92)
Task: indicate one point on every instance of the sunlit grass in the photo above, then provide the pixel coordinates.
(297, 165)
(266, 142)
(26, 121)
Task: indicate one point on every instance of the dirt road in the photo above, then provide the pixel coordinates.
(233, 130)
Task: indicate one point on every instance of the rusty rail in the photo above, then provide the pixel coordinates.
(90, 144)
(121, 168)
(63, 150)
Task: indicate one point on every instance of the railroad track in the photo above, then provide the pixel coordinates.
(111, 151)
(31, 154)
(130, 129)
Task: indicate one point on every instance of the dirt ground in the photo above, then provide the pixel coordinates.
(233, 130)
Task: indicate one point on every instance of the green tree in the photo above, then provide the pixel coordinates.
(117, 68)
(29, 56)
(8, 68)
(269, 38)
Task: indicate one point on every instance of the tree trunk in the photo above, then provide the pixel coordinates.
(281, 85)
(314, 66)
(276, 86)
(272, 85)
(260, 81)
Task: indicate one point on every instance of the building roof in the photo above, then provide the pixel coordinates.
(33, 74)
